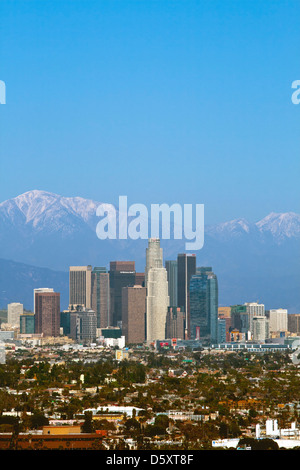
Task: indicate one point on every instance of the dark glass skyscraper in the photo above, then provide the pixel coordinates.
(186, 268)
(204, 305)
(121, 274)
(171, 267)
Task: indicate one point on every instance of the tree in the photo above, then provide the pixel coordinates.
(258, 444)
(38, 420)
(133, 427)
(88, 425)
(162, 421)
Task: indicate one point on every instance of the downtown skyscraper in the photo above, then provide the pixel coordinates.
(157, 300)
(171, 267)
(204, 305)
(186, 268)
(47, 313)
(80, 286)
(133, 314)
(121, 274)
(101, 296)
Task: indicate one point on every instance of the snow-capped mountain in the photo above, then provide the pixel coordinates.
(231, 229)
(279, 225)
(43, 210)
(286, 225)
(252, 260)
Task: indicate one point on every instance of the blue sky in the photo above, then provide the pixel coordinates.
(162, 101)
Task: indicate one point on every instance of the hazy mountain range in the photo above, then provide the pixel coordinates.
(42, 234)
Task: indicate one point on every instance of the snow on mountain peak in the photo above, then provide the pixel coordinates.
(230, 228)
(46, 210)
(33, 203)
(281, 225)
(38, 207)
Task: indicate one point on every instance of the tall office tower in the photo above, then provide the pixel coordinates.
(133, 314)
(80, 286)
(157, 300)
(47, 313)
(172, 271)
(294, 323)
(83, 325)
(121, 274)
(278, 319)
(101, 296)
(260, 328)
(40, 289)
(154, 256)
(175, 323)
(27, 323)
(14, 311)
(186, 268)
(254, 309)
(204, 305)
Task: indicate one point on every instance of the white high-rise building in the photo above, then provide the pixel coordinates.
(157, 300)
(254, 309)
(14, 311)
(278, 319)
(154, 256)
(260, 328)
(80, 286)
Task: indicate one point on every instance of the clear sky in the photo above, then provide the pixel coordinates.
(163, 101)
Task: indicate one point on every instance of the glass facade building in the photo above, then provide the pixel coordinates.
(204, 305)
(27, 323)
(240, 318)
(65, 322)
(186, 268)
(121, 274)
(221, 330)
(171, 267)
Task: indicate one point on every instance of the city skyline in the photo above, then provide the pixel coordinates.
(136, 307)
(84, 282)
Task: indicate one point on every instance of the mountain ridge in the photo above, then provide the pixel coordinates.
(35, 203)
(252, 260)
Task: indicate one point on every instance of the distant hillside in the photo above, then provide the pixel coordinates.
(17, 281)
